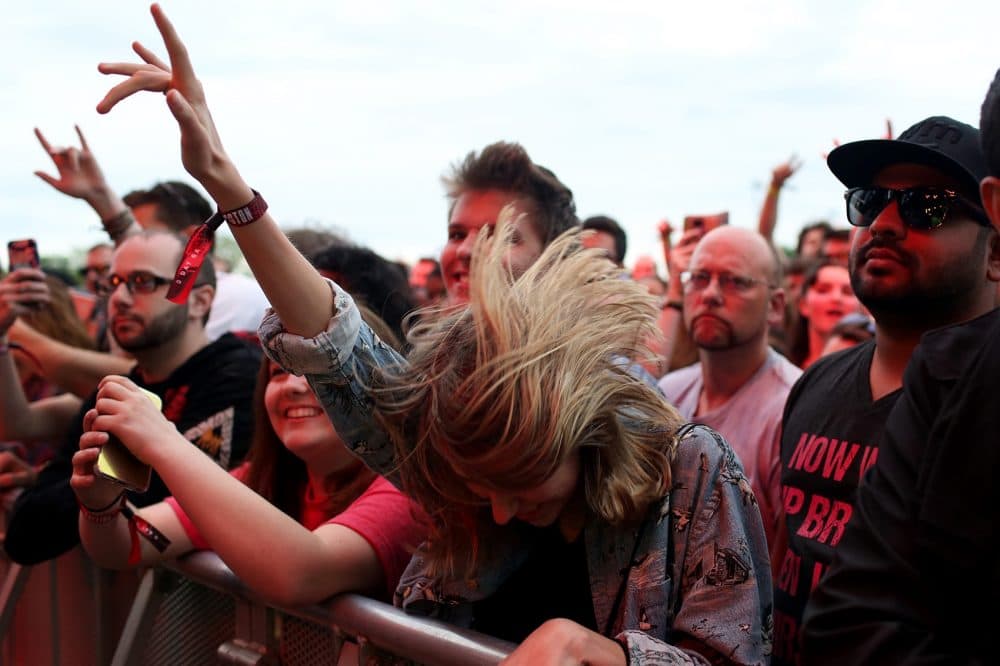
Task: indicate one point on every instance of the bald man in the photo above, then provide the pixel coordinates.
(732, 295)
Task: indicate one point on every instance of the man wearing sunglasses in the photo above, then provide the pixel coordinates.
(206, 388)
(920, 558)
(924, 255)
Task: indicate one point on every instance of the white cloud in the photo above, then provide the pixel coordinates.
(348, 113)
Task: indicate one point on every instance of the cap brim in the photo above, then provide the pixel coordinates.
(855, 164)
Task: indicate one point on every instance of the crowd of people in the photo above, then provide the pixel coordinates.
(765, 455)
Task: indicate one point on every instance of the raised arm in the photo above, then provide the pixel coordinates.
(769, 209)
(80, 177)
(268, 550)
(296, 291)
(71, 368)
(671, 319)
(21, 420)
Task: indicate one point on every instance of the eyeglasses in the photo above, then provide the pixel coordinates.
(139, 282)
(919, 207)
(728, 283)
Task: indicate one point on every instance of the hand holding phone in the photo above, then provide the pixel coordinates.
(116, 463)
(22, 254)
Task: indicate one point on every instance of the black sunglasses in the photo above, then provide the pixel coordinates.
(919, 207)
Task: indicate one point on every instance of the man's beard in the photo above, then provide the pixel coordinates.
(163, 328)
(925, 300)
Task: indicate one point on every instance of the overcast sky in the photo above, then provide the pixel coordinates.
(346, 114)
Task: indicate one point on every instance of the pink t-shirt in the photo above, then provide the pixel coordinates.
(382, 515)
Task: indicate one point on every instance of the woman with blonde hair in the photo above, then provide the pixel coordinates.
(570, 508)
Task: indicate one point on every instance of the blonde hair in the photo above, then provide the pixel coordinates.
(532, 371)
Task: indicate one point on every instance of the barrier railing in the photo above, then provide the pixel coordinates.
(196, 611)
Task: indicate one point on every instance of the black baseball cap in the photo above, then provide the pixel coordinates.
(939, 142)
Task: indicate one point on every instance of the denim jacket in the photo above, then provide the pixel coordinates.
(700, 576)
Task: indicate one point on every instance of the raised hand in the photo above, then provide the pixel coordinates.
(680, 254)
(21, 291)
(201, 149)
(784, 171)
(80, 175)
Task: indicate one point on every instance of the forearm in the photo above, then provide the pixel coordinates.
(248, 533)
(105, 202)
(71, 368)
(769, 212)
(293, 287)
(107, 545)
(670, 320)
(15, 413)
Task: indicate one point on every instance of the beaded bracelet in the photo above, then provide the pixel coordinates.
(119, 224)
(104, 515)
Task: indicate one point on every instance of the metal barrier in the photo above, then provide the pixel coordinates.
(64, 611)
(196, 611)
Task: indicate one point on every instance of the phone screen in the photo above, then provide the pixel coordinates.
(23, 254)
(116, 463)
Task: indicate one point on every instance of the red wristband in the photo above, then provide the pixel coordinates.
(248, 214)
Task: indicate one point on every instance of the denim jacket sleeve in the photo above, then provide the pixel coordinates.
(715, 604)
(339, 364)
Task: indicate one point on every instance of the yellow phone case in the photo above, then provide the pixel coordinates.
(116, 463)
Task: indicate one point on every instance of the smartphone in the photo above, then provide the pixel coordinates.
(116, 463)
(23, 254)
(706, 222)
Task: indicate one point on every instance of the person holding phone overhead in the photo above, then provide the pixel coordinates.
(206, 387)
(23, 254)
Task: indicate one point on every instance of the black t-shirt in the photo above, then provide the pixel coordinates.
(552, 583)
(918, 562)
(830, 436)
(209, 397)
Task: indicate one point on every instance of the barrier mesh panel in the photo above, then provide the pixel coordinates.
(307, 644)
(190, 625)
(304, 643)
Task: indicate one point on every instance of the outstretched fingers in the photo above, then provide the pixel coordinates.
(149, 56)
(83, 142)
(147, 79)
(179, 60)
(42, 140)
(126, 68)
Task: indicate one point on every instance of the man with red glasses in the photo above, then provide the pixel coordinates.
(923, 256)
(920, 557)
(206, 387)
